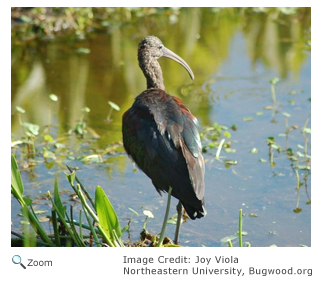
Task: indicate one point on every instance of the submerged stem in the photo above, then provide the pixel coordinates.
(219, 149)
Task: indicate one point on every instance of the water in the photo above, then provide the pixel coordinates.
(233, 58)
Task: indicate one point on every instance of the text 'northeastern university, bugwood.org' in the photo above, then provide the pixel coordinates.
(215, 266)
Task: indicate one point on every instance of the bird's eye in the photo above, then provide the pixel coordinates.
(161, 46)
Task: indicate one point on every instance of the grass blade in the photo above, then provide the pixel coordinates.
(16, 182)
(91, 227)
(57, 199)
(63, 221)
(55, 228)
(17, 191)
(240, 228)
(82, 187)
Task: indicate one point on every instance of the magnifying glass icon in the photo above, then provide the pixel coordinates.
(17, 260)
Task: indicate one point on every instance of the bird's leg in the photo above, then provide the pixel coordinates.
(179, 210)
(164, 225)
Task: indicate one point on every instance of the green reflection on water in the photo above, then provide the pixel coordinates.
(110, 71)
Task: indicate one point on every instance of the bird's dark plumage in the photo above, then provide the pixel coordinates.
(161, 135)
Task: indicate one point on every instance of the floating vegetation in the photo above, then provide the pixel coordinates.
(113, 106)
(40, 144)
(211, 138)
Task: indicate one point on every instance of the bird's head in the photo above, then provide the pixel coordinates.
(151, 47)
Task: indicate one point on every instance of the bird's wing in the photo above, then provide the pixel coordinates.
(189, 141)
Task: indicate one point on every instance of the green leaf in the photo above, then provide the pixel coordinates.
(302, 245)
(289, 152)
(230, 162)
(71, 177)
(244, 233)
(83, 50)
(307, 130)
(124, 229)
(53, 97)
(49, 155)
(212, 145)
(28, 201)
(274, 80)
(108, 219)
(40, 211)
(300, 155)
(114, 106)
(43, 219)
(67, 226)
(16, 182)
(86, 110)
(234, 127)
(20, 110)
(25, 19)
(172, 221)
(48, 138)
(59, 145)
(297, 210)
(288, 10)
(56, 198)
(254, 150)
(136, 213)
(306, 167)
(15, 143)
(148, 213)
(17, 191)
(247, 119)
(24, 222)
(230, 150)
(227, 134)
(80, 128)
(33, 128)
(92, 159)
(228, 238)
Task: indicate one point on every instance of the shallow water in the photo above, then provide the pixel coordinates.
(233, 59)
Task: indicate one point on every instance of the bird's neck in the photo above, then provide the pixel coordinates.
(153, 73)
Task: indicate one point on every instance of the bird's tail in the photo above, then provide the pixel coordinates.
(194, 213)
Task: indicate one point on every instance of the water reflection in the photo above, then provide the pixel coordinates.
(111, 72)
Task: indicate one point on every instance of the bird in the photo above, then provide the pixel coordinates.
(161, 135)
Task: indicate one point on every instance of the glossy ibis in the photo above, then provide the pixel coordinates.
(161, 135)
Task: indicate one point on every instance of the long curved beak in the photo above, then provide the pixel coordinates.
(169, 54)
